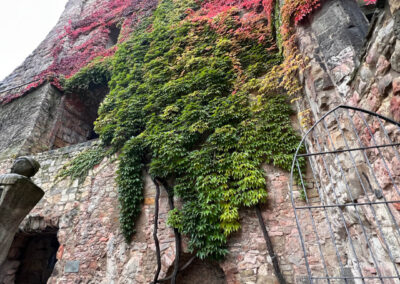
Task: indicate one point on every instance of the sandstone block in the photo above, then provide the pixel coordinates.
(396, 86)
(395, 59)
(17, 198)
(395, 108)
(382, 66)
(384, 84)
(394, 6)
(365, 73)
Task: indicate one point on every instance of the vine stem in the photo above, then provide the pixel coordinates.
(177, 235)
(155, 237)
(180, 270)
(270, 248)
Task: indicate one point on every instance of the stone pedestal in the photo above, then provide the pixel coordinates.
(18, 196)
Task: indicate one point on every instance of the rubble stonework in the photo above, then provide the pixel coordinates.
(366, 77)
(84, 216)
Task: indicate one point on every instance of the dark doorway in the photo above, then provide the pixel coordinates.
(36, 255)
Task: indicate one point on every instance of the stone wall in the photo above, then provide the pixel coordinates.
(85, 217)
(365, 76)
(27, 122)
(75, 118)
(73, 126)
(46, 119)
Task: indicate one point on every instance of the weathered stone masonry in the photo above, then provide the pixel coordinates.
(45, 119)
(85, 216)
(369, 81)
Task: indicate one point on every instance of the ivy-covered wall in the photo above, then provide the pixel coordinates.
(85, 215)
(189, 104)
(198, 111)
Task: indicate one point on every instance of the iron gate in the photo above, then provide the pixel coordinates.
(346, 203)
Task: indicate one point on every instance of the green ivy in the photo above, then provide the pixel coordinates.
(79, 167)
(277, 26)
(130, 185)
(186, 104)
(96, 74)
(175, 105)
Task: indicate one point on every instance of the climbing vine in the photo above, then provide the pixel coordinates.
(96, 74)
(186, 101)
(79, 167)
(198, 99)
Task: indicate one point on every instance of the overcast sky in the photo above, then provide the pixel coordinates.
(23, 25)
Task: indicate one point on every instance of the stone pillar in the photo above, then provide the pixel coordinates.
(18, 196)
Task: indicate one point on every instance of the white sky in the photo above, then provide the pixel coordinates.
(23, 25)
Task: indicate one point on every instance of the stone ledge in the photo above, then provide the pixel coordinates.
(69, 149)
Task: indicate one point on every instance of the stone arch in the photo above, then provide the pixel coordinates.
(32, 256)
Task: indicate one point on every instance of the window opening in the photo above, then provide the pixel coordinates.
(113, 35)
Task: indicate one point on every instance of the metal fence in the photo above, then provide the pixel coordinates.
(346, 203)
